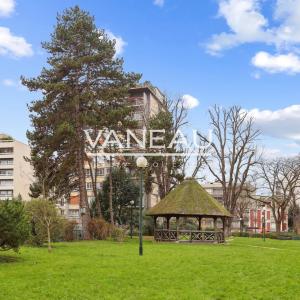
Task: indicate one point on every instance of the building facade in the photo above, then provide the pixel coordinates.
(16, 174)
(255, 214)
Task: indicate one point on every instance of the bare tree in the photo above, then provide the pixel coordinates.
(233, 152)
(168, 170)
(280, 179)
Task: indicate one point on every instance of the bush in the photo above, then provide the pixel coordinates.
(14, 226)
(118, 234)
(69, 230)
(99, 229)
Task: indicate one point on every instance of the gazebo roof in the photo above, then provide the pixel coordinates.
(189, 199)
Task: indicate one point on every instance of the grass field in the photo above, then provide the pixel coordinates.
(242, 269)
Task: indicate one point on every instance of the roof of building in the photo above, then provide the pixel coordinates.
(5, 137)
(189, 199)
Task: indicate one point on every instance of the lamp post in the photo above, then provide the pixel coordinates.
(131, 225)
(141, 163)
(264, 223)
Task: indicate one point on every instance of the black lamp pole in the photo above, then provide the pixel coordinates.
(131, 225)
(141, 214)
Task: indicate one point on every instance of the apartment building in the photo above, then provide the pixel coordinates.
(254, 214)
(16, 174)
(147, 101)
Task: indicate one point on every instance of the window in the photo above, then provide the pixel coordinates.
(87, 173)
(6, 161)
(62, 212)
(74, 212)
(91, 199)
(6, 172)
(100, 172)
(8, 193)
(89, 185)
(6, 182)
(8, 150)
(98, 185)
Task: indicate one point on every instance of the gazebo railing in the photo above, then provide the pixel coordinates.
(189, 235)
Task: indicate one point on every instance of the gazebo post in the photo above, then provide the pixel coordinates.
(154, 219)
(168, 222)
(215, 228)
(215, 224)
(177, 227)
(199, 223)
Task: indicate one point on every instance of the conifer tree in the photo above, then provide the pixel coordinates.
(83, 86)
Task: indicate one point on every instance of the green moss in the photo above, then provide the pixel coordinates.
(189, 198)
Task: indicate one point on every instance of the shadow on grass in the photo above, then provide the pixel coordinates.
(9, 259)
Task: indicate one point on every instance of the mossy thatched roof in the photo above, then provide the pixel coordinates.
(189, 199)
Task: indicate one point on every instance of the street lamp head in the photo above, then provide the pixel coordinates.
(131, 202)
(141, 162)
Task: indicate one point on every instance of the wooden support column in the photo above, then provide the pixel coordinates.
(177, 228)
(199, 223)
(168, 222)
(215, 224)
(215, 228)
(154, 219)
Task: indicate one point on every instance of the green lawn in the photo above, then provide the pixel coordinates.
(242, 269)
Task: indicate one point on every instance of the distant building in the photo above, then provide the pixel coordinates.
(16, 174)
(253, 216)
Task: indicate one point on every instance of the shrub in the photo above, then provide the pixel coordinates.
(69, 230)
(118, 234)
(99, 229)
(14, 226)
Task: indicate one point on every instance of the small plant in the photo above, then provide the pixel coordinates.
(69, 231)
(118, 234)
(99, 229)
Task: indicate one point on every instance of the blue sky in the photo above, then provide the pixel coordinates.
(226, 52)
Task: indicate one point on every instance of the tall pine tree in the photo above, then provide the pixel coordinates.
(83, 86)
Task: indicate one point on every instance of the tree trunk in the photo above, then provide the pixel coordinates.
(80, 155)
(111, 212)
(278, 226)
(49, 239)
(227, 226)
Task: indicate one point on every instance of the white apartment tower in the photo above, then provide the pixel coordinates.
(16, 174)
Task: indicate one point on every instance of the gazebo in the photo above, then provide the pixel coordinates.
(189, 200)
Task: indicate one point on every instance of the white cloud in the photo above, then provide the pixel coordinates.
(256, 75)
(13, 45)
(288, 32)
(189, 102)
(159, 2)
(282, 123)
(280, 63)
(247, 24)
(8, 82)
(6, 7)
(120, 43)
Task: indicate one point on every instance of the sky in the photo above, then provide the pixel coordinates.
(226, 52)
